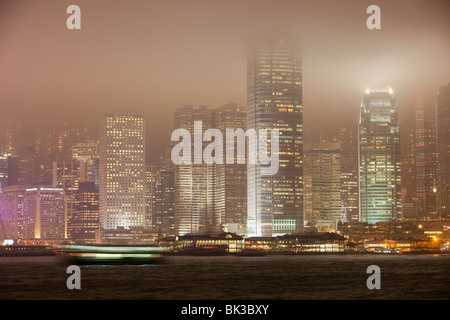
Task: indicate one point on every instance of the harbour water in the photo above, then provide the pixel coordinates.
(310, 277)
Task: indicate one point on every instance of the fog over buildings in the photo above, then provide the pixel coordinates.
(154, 57)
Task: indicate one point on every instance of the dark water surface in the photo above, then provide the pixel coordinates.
(340, 277)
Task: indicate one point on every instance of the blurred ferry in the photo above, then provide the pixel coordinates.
(111, 254)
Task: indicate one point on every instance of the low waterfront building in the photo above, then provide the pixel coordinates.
(267, 244)
(225, 242)
(311, 243)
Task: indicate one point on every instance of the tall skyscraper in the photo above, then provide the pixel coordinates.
(66, 175)
(410, 203)
(230, 189)
(150, 180)
(4, 170)
(194, 183)
(322, 176)
(349, 174)
(274, 101)
(164, 209)
(443, 149)
(379, 157)
(122, 172)
(85, 223)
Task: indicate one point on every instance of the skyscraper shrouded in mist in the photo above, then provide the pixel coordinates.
(379, 157)
(425, 156)
(274, 101)
(122, 172)
(349, 174)
(443, 149)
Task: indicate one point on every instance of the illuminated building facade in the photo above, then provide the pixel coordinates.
(443, 149)
(164, 213)
(379, 157)
(66, 175)
(230, 190)
(87, 154)
(322, 176)
(349, 174)
(4, 170)
(44, 215)
(274, 101)
(426, 156)
(150, 180)
(194, 183)
(85, 222)
(122, 172)
(12, 209)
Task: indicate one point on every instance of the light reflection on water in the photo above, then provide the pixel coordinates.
(230, 277)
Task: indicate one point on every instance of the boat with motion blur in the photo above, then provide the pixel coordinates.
(111, 254)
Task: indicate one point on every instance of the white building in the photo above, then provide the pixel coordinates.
(122, 172)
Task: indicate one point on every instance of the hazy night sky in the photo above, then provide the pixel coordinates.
(151, 57)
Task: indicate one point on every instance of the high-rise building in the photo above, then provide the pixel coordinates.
(164, 209)
(25, 152)
(122, 172)
(12, 210)
(194, 182)
(4, 170)
(410, 203)
(322, 176)
(379, 157)
(150, 180)
(84, 223)
(349, 174)
(443, 149)
(44, 215)
(274, 101)
(87, 153)
(66, 175)
(230, 189)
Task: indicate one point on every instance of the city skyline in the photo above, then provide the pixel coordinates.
(217, 153)
(341, 57)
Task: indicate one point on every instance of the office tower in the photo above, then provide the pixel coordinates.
(122, 172)
(44, 215)
(164, 209)
(4, 170)
(322, 176)
(274, 101)
(11, 210)
(443, 150)
(410, 204)
(150, 180)
(85, 223)
(426, 155)
(349, 174)
(379, 157)
(24, 150)
(194, 183)
(87, 154)
(66, 175)
(230, 190)
(13, 170)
